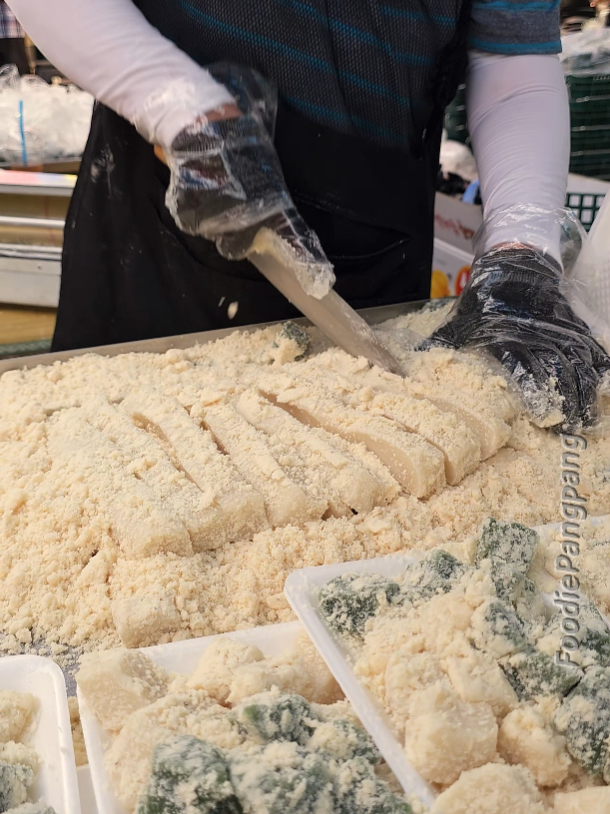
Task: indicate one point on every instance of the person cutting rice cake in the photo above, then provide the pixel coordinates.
(179, 155)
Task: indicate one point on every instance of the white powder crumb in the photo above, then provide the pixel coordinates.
(17, 711)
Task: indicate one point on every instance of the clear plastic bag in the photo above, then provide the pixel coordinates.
(586, 52)
(227, 184)
(41, 123)
(591, 275)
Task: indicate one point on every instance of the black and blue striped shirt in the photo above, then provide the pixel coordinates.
(364, 67)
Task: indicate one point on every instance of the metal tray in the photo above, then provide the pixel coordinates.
(373, 316)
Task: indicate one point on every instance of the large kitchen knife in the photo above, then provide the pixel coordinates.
(298, 277)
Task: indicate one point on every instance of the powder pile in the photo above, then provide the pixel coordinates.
(93, 546)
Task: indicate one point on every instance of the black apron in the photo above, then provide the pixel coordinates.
(129, 273)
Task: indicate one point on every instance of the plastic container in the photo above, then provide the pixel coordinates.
(179, 657)
(56, 778)
(301, 590)
(592, 270)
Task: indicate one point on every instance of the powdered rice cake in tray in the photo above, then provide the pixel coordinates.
(153, 497)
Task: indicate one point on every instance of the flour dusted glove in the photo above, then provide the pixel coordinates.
(225, 174)
(514, 308)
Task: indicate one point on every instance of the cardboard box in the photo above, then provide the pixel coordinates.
(456, 223)
(450, 270)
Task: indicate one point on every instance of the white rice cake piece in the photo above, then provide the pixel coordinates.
(348, 484)
(592, 801)
(446, 736)
(526, 738)
(116, 683)
(477, 677)
(415, 463)
(16, 752)
(128, 760)
(443, 366)
(491, 431)
(219, 664)
(458, 444)
(242, 507)
(295, 459)
(205, 523)
(492, 789)
(144, 620)
(488, 427)
(16, 714)
(314, 681)
(142, 526)
(285, 501)
(405, 673)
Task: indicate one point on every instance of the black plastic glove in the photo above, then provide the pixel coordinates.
(513, 307)
(225, 176)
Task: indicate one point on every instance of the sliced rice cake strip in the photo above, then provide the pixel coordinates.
(195, 451)
(443, 367)
(147, 459)
(349, 485)
(491, 431)
(142, 526)
(415, 463)
(286, 502)
(451, 436)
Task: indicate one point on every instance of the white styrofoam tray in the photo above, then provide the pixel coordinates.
(179, 657)
(301, 589)
(56, 779)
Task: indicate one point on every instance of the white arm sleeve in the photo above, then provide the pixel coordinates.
(111, 50)
(519, 121)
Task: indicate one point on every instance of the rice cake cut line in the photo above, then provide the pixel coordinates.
(143, 527)
(294, 459)
(285, 501)
(205, 523)
(415, 463)
(458, 445)
(432, 369)
(347, 484)
(242, 507)
(491, 431)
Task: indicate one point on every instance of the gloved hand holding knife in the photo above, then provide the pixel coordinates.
(227, 186)
(227, 182)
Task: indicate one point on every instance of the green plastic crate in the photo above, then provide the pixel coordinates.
(593, 163)
(595, 86)
(585, 139)
(590, 114)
